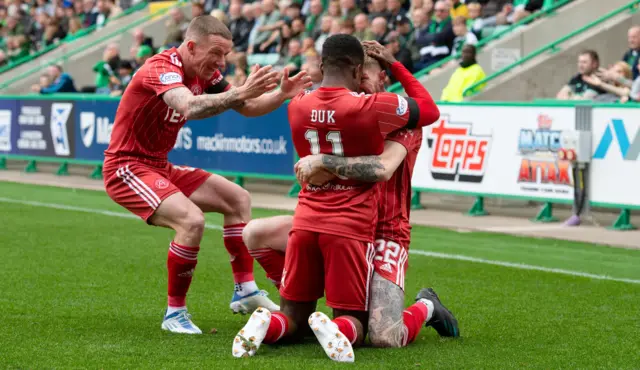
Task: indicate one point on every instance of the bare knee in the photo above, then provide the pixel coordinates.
(191, 222)
(239, 205)
(384, 340)
(253, 234)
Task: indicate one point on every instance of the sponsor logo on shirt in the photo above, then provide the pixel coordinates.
(403, 106)
(457, 154)
(170, 78)
(5, 130)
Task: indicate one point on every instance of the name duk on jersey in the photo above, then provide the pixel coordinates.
(322, 116)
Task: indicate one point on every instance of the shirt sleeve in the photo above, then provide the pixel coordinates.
(394, 112)
(161, 76)
(217, 84)
(407, 138)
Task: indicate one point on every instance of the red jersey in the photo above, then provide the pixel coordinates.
(395, 205)
(145, 127)
(344, 123)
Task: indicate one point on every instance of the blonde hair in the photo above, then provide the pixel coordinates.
(626, 70)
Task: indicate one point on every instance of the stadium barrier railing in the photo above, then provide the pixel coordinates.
(397, 87)
(552, 47)
(478, 149)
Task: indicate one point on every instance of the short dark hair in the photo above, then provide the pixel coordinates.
(205, 25)
(591, 53)
(342, 51)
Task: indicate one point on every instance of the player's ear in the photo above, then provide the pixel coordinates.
(191, 45)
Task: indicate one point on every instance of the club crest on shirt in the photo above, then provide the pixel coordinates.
(403, 105)
(161, 184)
(170, 78)
(196, 89)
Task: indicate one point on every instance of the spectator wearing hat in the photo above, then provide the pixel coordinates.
(392, 43)
(458, 9)
(361, 28)
(632, 56)
(144, 52)
(468, 73)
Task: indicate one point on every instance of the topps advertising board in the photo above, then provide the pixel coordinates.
(497, 150)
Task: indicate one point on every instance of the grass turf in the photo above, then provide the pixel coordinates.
(84, 290)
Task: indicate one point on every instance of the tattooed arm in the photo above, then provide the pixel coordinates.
(202, 106)
(371, 168)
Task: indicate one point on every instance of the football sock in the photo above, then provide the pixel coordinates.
(241, 261)
(246, 288)
(414, 318)
(171, 310)
(347, 327)
(272, 262)
(181, 262)
(278, 327)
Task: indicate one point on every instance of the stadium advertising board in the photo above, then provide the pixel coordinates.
(93, 129)
(37, 127)
(497, 150)
(234, 143)
(615, 175)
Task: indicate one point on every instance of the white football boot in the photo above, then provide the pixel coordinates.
(250, 337)
(335, 344)
(251, 302)
(180, 322)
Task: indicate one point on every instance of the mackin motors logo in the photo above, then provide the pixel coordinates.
(59, 117)
(540, 163)
(94, 127)
(457, 154)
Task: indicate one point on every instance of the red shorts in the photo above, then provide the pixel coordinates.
(391, 261)
(317, 262)
(141, 188)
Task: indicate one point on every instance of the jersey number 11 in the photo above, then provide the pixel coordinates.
(332, 136)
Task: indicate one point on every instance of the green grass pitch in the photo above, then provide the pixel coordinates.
(87, 290)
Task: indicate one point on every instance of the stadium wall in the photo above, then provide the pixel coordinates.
(480, 149)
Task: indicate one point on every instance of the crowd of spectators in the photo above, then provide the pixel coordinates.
(290, 33)
(29, 26)
(618, 82)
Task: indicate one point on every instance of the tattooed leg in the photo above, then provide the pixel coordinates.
(386, 325)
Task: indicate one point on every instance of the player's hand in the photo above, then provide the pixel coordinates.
(310, 170)
(260, 81)
(379, 53)
(293, 86)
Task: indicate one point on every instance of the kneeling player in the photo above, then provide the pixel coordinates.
(327, 332)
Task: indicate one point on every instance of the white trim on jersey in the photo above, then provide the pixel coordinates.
(371, 254)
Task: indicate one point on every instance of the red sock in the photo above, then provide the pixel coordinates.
(241, 261)
(414, 317)
(347, 327)
(272, 262)
(181, 261)
(278, 327)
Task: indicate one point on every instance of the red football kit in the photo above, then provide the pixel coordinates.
(136, 171)
(330, 246)
(393, 231)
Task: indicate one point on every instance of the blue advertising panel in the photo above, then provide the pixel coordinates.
(43, 128)
(233, 143)
(8, 129)
(94, 122)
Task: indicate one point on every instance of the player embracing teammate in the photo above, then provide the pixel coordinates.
(352, 141)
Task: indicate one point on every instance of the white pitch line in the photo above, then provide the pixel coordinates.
(458, 257)
(525, 228)
(520, 266)
(82, 209)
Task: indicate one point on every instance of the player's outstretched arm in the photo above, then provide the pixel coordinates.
(372, 168)
(289, 87)
(203, 106)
